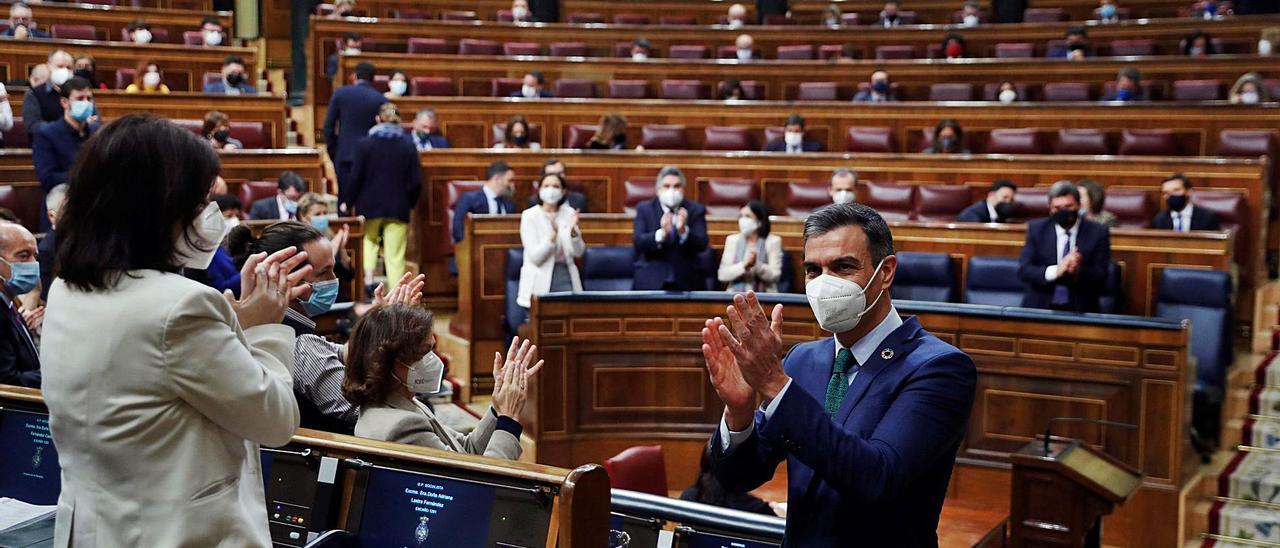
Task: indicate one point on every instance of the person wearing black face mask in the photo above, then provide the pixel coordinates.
(1065, 257)
(880, 90)
(87, 68)
(997, 208)
(233, 80)
(1179, 214)
(948, 138)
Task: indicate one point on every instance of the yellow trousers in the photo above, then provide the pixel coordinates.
(392, 236)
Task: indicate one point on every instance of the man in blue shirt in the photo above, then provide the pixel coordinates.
(56, 144)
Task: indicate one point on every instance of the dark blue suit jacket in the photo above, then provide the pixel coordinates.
(475, 203)
(1039, 252)
(519, 95)
(976, 213)
(805, 145)
(19, 358)
(351, 113)
(436, 140)
(874, 474)
(385, 179)
(656, 262)
(1201, 219)
(221, 87)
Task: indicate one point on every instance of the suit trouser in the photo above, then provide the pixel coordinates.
(342, 170)
(392, 236)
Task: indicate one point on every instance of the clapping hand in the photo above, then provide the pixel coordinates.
(667, 219)
(682, 220)
(737, 395)
(750, 259)
(408, 291)
(339, 243)
(33, 318)
(755, 342)
(268, 283)
(511, 377)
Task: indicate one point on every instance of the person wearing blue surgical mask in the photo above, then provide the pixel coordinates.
(1128, 86)
(19, 275)
(56, 144)
(314, 210)
(1107, 12)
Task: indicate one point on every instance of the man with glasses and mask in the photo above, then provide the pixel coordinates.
(868, 420)
(19, 274)
(1065, 257)
(996, 208)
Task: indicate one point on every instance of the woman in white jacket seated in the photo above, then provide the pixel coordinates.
(752, 258)
(551, 238)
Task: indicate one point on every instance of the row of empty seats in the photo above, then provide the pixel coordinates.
(1009, 50)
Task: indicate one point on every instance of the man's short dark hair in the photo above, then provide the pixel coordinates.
(76, 83)
(352, 36)
(551, 162)
(795, 120)
(365, 71)
(233, 59)
(289, 179)
(211, 20)
(1186, 181)
(1076, 31)
(495, 169)
(537, 75)
(642, 42)
(135, 25)
(1002, 183)
(1064, 188)
(833, 216)
(227, 202)
(1131, 73)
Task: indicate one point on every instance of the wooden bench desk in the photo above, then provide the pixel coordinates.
(110, 20)
(939, 12)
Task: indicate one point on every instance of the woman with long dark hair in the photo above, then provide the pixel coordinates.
(159, 388)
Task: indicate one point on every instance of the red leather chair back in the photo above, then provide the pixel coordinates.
(635, 191)
(951, 92)
(1122, 48)
(408, 13)
(1132, 208)
(798, 52)
(194, 126)
(1081, 141)
(472, 46)
(623, 49)
(727, 52)
(428, 45)
(805, 197)
(1014, 141)
(896, 52)
(521, 48)
(211, 77)
(640, 468)
(689, 90)
(252, 134)
(192, 38)
(1148, 142)
(1232, 210)
(778, 19)
(1031, 203)
(1066, 91)
(124, 77)
(664, 137)
(585, 18)
(850, 19)
(629, 89)
(63, 31)
(16, 137)
(571, 88)
(941, 202)
(895, 202)
(827, 51)
(497, 130)
(23, 206)
(870, 139)
(453, 191)
(1043, 15)
(252, 191)
(505, 16)
(727, 138)
(631, 19)
(678, 20)
(1015, 50)
(687, 51)
(579, 135)
(817, 91)
(502, 87)
(381, 82)
(1197, 90)
(432, 86)
(568, 49)
(724, 197)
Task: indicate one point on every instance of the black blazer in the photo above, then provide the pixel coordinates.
(386, 178)
(778, 145)
(352, 111)
(574, 199)
(976, 213)
(655, 261)
(19, 359)
(1201, 219)
(1040, 252)
(266, 209)
(475, 203)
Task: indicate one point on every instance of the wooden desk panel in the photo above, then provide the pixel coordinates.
(266, 109)
(472, 75)
(111, 19)
(481, 260)
(18, 56)
(1237, 33)
(633, 371)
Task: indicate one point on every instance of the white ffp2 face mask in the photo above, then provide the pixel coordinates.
(842, 197)
(1008, 96)
(529, 92)
(205, 232)
(550, 195)
(837, 303)
(748, 226)
(671, 197)
(793, 138)
(425, 375)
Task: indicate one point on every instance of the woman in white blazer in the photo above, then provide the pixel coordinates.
(551, 238)
(392, 360)
(752, 258)
(159, 388)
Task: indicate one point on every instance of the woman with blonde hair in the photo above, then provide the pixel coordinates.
(612, 133)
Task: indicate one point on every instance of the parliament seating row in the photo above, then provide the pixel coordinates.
(111, 17)
(943, 11)
(75, 31)
(253, 135)
(1240, 34)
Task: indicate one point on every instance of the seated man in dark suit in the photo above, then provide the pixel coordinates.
(1179, 213)
(284, 205)
(793, 140)
(534, 86)
(56, 144)
(426, 134)
(996, 208)
(234, 81)
(493, 199)
(1065, 257)
(670, 232)
(19, 274)
(572, 198)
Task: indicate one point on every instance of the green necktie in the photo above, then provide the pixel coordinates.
(839, 384)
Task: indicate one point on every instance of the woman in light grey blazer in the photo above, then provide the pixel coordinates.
(159, 388)
(391, 359)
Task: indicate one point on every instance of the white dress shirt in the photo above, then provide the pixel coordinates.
(493, 200)
(863, 349)
(1064, 236)
(991, 212)
(280, 209)
(682, 231)
(1182, 219)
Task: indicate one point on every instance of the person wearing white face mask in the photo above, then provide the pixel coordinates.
(147, 79)
(793, 139)
(552, 240)
(211, 31)
(868, 420)
(42, 104)
(842, 184)
(180, 409)
(1008, 93)
(533, 86)
(640, 49)
(398, 85)
(752, 257)
(737, 16)
(971, 14)
(744, 46)
(391, 359)
(1249, 89)
(520, 11)
(670, 233)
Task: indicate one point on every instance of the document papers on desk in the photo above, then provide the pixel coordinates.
(15, 513)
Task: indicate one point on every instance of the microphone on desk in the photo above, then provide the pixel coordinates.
(1048, 428)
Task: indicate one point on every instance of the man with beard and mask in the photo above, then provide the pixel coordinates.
(996, 208)
(670, 232)
(56, 144)
(42, 104)
(234, 81)
(1065, 257)
(1179, 214)
(493, 199)
(868, 420)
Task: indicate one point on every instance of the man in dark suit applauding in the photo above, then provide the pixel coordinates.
(352, 111)
(493, 199)
(996, 208)
(670, 232)
(19, 274)
(1179, 213)
(793, 138)
(1065, 257)
(868, 421)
